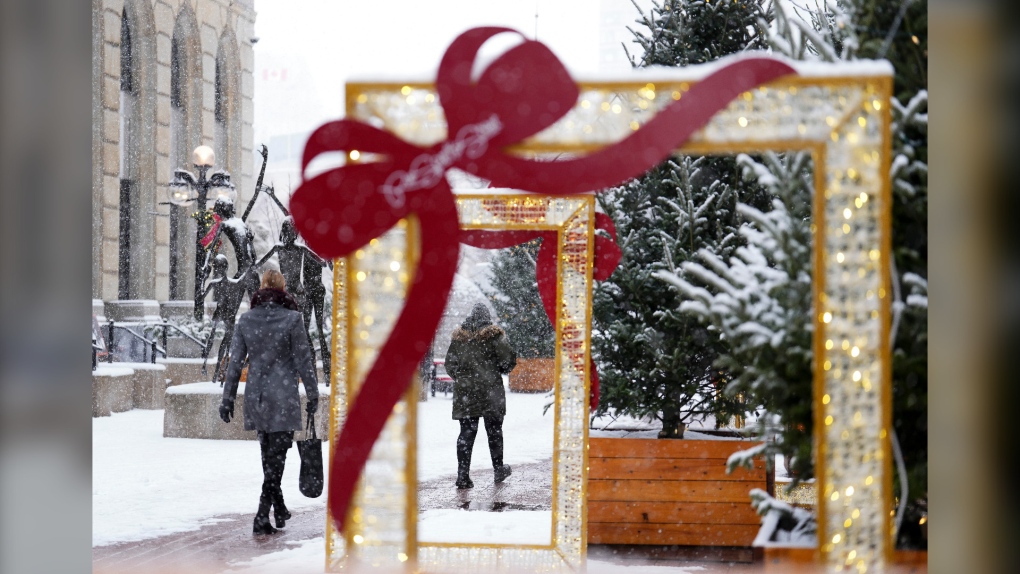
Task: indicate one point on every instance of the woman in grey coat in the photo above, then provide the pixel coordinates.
(272, 338)
(478, 357)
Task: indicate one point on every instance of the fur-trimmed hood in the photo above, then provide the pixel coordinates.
(484, 334)
(278, 296)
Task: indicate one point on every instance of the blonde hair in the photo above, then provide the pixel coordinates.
(273, 279)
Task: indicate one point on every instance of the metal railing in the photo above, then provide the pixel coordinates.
(154, 348)
(167, 326)
(111, 338)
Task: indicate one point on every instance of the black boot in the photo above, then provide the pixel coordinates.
(501, 472)
(274, 457)
(262, 525)
(280, 512)
(464, 481)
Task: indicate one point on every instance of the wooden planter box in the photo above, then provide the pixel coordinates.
(670, 492)
(533, 376)
(781, 560)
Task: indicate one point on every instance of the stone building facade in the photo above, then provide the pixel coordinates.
(167, 76)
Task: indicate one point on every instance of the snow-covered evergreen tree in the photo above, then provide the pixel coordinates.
(896, 31)
(517, 303)
(748, 297)
(655, 361)
(758, 300)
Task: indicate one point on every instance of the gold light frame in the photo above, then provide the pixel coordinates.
(382, 529)
(841, 115)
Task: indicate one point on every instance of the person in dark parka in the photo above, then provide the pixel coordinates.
(271, 336)
(479, 355)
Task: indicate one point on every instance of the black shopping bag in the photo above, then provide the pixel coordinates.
(310, 450)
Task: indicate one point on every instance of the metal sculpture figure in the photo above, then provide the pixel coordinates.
(228, 293)
(243, 241)
(302, 269)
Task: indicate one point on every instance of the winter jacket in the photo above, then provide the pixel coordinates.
(273, 339)
(476, 360)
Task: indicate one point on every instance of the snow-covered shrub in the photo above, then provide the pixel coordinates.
(758, 300)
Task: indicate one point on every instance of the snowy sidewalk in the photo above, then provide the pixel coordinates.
(228, 542)
(213, 548)
(186, 505)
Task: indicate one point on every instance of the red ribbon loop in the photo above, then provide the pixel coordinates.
(521, 93)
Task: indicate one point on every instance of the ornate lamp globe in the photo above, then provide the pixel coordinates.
(203, 156)
(180, 192)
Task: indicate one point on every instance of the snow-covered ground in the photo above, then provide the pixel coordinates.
(307, 556)
(527, 435)
(146, 486)
(527, 438)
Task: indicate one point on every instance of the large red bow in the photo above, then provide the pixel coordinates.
(521, 93)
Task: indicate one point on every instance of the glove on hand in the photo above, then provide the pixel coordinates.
(227, 411)
(311, 405)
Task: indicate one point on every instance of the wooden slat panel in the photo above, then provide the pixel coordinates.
(665, 448)
(680, 534)
(673, 512)
(672, 490)
(671, 469)
(910, 556)
(784, 559)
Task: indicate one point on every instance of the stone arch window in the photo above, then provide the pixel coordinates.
(177, 136)
(136, 153)
(128, 114)
(220, 106)
(226, 109)
(185, 135)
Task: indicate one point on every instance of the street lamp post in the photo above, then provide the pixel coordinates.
(186, 189)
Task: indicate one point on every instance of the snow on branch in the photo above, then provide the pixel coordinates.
(745, 458)
(822, 45)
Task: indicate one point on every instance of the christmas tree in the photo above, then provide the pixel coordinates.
(897, 32)
(654, 360)
(765, 270)
(517, 303)
(758, 299)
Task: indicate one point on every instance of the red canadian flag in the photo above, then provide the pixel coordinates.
(274, 74)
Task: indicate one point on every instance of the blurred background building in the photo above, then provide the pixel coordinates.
(167, 76)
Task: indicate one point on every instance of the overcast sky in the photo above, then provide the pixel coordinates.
(322, 43)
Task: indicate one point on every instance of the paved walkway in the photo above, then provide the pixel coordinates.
(229, 539)
(209, 549)
(528, 488)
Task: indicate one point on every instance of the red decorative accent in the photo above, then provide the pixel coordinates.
(208, 238)
(521, 93)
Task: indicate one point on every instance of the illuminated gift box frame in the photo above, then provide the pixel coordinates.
(841, 115)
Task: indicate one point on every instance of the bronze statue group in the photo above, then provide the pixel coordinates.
(300, 266)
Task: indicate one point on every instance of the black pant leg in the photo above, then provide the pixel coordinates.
(465, 444)
(266, 498)
(281, 442)
(274, 457)
(494, 430)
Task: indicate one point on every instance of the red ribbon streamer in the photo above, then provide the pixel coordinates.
(521, 93)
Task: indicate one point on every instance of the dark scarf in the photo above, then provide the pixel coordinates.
(279, 296)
